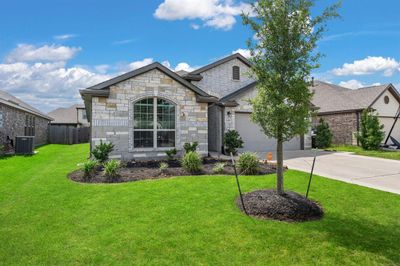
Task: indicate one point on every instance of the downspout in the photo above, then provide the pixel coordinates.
(222, 129)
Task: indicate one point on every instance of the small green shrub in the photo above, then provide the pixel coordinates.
(111, 168)
(89, 168)
(191, 162)
(171, 154)
(371, 132)
(101, 151)
(163, 167)
(323, 138)
(190, 146)
(232, 141)
(219, 168)
(248, 163)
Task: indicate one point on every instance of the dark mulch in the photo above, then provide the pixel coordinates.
(290, 207)
(141, 170)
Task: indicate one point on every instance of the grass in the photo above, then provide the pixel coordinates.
(394, 155)
(46, 219)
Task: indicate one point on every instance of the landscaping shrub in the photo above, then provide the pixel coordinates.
(191, 162)
(171, 154)
(89, 168)
(190, 146)
(111, 167)
(371, 132)
(323, 138)
(232, 141)
(219, 168)
(248, 163)
(101, 151)
(163, 167)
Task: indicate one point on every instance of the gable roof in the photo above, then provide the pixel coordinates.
(102, 89)
(12, 101)
(232, 95)
(222, 61)
(332, 98)
(66, 115)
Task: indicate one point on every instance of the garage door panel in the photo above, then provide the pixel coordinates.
(255, 140)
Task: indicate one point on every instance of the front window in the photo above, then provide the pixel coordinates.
(154, 123)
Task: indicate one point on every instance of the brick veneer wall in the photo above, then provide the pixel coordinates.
(14, 125)
(112, 118)
(342, 127)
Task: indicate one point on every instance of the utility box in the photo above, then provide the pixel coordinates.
(24, 145)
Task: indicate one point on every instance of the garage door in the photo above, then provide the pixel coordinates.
(255, 140)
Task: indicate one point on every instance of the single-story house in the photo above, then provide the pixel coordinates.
(70, 125)
(18, 118)
(153, 109)
(341, 108)
(74, 116)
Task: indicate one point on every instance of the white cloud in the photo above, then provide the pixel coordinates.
(218, 14)
(370, 65)
(184, 66)
(28, 53)
(102, 68)
(166, 64)
(64, 37)
(47, 85)
(121, 42)
(244, 52)
(195, 26)
(138, 64)
(355, 84)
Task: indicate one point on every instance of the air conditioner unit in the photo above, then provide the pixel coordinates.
(24, 144)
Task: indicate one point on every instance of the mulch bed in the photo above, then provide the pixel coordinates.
(289, 207)
(142, 170)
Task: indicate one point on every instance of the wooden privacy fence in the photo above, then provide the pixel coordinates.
(65, 134)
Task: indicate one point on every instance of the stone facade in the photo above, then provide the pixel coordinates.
(218, 81)
(12, 124)
(343, 127)
(112, 117)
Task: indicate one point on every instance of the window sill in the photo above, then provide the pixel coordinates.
(151, 149)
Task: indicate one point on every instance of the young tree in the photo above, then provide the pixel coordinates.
(283, 57)
(371, 132)
(323, 138)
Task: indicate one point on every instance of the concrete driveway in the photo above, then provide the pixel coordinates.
(370, 172)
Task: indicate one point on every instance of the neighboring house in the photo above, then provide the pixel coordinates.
(153, 109)
(74, 116)
(17, 118)
(70, 125)
(342, 107)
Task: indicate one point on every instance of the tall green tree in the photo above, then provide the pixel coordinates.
(283, 56)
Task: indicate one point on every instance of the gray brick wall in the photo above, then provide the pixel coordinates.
(14, 125)
(218, 80)
(112, 118)
(343, 126)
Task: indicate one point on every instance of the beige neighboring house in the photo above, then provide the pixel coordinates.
(341, 108)
(74, 116)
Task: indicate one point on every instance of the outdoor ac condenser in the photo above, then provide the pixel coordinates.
(24, 145)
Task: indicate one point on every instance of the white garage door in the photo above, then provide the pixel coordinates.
(255, 140)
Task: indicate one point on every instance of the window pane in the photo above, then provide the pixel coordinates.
(165, 139)
(143, 114)
(165, 114)
(143, 139)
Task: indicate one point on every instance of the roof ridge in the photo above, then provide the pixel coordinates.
(222, 61)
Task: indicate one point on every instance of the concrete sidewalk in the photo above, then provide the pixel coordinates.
(377, 173)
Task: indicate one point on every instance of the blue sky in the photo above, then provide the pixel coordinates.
(50, 49)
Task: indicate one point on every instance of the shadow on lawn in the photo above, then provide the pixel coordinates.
(363, 235)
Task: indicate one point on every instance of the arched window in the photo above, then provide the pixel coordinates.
(235, 73)
(154, 123)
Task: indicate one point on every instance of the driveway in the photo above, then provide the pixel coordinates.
(382, 174)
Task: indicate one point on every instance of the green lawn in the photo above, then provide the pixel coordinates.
(394, 155)
(47, 219)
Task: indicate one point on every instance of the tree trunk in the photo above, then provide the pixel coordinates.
(279, 171)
